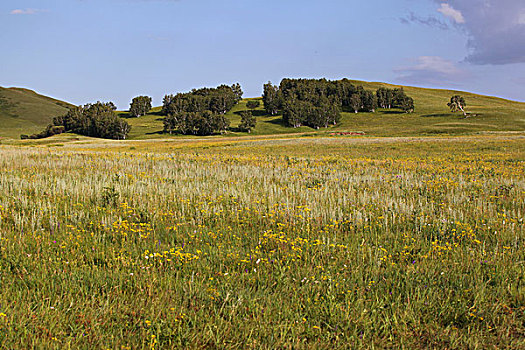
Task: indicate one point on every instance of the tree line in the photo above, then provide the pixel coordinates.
(319, 102)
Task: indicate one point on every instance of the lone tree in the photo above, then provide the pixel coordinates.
(252, 104)
(248, 121)
(457, 103)
(140, 105)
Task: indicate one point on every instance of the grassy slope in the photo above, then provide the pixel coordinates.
(24, 111)
(432, 116)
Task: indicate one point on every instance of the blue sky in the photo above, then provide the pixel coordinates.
(87, 50)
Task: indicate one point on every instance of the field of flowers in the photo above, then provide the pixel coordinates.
(301, 243)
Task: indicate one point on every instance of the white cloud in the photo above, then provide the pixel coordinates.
(26, 11)
(495, 29)
(521, 18)
(449, 11)
(433, 70)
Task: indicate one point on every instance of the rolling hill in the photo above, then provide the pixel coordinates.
(23, 111)
(431, 117)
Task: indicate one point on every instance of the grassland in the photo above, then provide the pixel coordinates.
(24, 111)
(259, 242)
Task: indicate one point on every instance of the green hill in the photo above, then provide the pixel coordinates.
(431, 117)
(24, 111)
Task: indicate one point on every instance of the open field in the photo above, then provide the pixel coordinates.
(263, 243)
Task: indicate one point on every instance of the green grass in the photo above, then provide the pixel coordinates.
(24, 111)
(321, 243)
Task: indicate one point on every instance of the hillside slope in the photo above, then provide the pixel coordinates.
(23, 111)
(431, 117)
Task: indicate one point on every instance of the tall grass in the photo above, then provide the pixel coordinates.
(319, 243)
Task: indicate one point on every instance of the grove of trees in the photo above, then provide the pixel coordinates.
(319, 102)
(201, 111)
(93, 119)
(140, 105)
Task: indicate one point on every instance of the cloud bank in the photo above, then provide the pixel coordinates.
(431, 70)
(495, 28)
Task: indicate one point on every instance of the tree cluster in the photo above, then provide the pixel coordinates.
(140, 105)
(195, 123)
(319, 102)
(201, 111)
(95, 120)
(394, 98)
(217, 100)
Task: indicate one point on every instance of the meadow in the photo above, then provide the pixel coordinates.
(304, 242)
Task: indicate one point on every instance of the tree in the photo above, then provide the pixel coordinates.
(355, 102)
(252, 104)
(140, 105)
(248, 121)
(384, 97)
(369, 101)
(457, 103)
(271, 98)
(237, 90)
(407, 104)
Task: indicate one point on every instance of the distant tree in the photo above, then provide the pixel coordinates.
(140, 105)
(248, 121)
(407, 104)
(271, 98)
(369, 101)
(252, 104)
(237, 90)
(457, 103)
(355, 102)
(384, 97)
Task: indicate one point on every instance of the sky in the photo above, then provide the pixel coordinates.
(83, 51)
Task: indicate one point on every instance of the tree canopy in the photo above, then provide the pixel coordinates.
(140, 105)
(319, 102)
(200, 111)
(457, 103)
(248, 121)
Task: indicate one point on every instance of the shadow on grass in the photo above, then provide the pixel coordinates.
(437, 115)
(392, 112)
(278, 121)
(255, 113)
